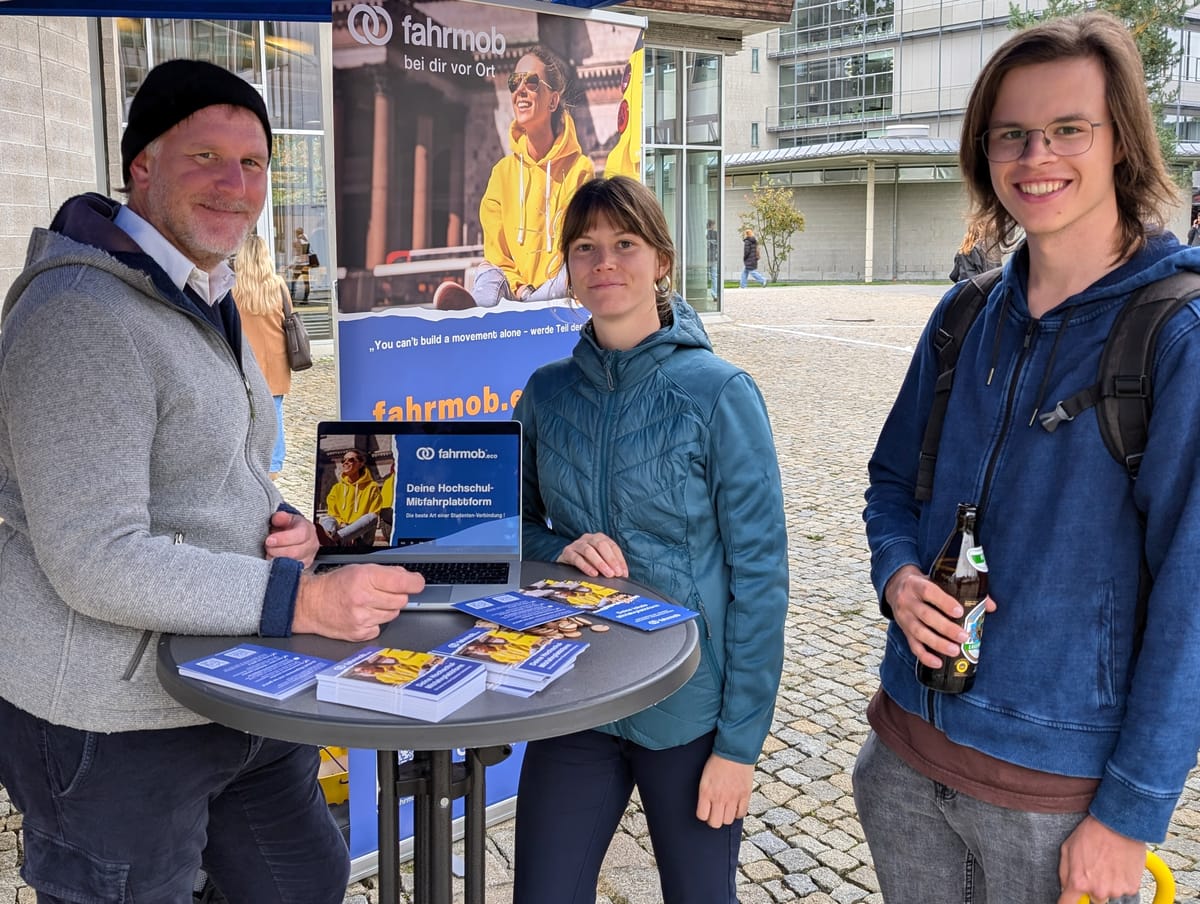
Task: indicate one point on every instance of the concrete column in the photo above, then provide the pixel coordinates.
(869, 257)
(381, 157)
(422, 179)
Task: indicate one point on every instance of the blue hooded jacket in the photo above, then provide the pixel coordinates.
(1061, 685)
(667, 449)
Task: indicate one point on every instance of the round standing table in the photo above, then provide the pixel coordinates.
(623, 671)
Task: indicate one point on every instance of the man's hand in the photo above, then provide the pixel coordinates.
(924, 613)
(291, 536)
(1100, 863)
(596, 554)
(351, 602)
(724, 791)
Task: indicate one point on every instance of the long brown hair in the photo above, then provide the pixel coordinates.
(1144, 189)
(630, 207)
(258, 288)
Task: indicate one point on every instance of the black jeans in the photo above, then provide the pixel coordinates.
(572, 795)
(131, 817)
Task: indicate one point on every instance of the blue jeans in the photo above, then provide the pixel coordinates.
(751, 273)
(280, 450)
(932, 843)
(132, 816)
(572, 794)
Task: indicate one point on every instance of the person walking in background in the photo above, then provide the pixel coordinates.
(686, 499)
(974, 255)
(1194, 233)
(259, 293)
(1045, 780)
(134, 500)
(712, 242)
(302, 257)
(750, 259)
(522, 207)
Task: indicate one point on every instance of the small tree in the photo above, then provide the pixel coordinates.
(1153, 24)
(774, 218)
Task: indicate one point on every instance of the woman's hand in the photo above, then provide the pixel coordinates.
(925, 614)
(724, 791)
(595, 555)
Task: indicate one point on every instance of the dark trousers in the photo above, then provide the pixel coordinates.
(572, 794)
(130, 817)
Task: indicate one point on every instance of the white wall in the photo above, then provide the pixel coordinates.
(46, 132)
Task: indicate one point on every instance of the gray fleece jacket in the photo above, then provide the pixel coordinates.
(134, 494)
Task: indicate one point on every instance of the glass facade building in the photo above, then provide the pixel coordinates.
(682, 159)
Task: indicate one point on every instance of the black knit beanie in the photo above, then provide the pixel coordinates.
(173, 91)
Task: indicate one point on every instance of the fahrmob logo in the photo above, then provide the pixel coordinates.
(425, 453)
(369, 24)
(431, 34)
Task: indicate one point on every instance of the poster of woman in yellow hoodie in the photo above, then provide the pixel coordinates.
(529, 188)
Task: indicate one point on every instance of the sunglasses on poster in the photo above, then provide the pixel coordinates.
(531, 80)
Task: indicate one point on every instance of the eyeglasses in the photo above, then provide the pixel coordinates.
(530, 80)
(351, 459)
(1064, 138)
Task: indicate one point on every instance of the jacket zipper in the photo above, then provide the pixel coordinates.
(605, 455)
(1009, 405)
(140, 650)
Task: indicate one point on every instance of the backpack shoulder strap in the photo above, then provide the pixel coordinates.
(961, 311)
(1127, 362)
(1123, 393)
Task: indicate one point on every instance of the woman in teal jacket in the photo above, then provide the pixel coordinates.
(649, 457)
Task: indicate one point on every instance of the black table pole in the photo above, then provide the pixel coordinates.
(389, 841)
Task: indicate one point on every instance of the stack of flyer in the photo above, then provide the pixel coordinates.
(255, 669)
(550, 601)
(517, 663)
(422, 686)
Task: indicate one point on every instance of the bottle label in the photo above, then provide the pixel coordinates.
(975, 555)
(973, 624)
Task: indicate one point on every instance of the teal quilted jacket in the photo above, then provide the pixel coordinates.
(667, 449)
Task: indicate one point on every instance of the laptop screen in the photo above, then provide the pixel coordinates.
(450, 488)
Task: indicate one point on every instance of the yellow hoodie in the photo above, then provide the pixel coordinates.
(350, 501)
(521, 212)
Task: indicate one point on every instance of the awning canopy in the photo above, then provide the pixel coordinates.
(293, 10)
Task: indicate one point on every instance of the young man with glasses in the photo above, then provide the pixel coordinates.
(1047, 778)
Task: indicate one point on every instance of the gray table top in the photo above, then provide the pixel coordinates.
(623, 672)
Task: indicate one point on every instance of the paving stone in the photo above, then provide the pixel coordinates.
(800, 883)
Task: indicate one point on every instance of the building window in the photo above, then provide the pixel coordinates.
(825, 23)
(753, 134)
(827, 91)
(754, 59)
(683, 166)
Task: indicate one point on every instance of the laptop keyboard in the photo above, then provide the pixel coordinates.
(448, 572)
(461, 572)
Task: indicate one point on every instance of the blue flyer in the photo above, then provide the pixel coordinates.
(645, 614)
(516, 610)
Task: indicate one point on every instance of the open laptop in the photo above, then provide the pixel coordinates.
(439, 497)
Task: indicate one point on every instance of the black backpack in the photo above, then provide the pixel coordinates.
(1122, 394)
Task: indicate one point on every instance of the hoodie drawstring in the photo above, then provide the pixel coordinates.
(1041, 395)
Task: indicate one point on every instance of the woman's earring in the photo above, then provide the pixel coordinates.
(662, 288)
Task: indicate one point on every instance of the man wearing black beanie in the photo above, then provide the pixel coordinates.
(135, 440)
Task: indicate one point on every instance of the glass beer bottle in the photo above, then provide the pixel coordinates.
(961, 571)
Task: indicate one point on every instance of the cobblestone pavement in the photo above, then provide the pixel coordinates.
(829, 360)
